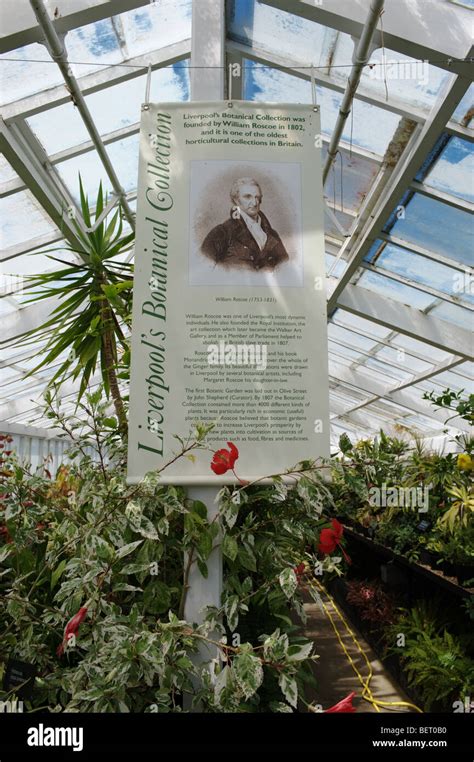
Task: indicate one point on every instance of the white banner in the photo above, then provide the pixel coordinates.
(229, 307)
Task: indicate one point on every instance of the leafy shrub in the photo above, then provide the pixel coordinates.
(82, 548)
(437, 662)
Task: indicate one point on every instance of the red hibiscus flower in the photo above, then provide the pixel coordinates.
(72, 628)
(343, 706)
(329, 539)
(224, 460)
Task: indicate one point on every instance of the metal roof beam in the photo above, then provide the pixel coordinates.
(378, 391)
(58, 52)
(406, 281)
(107, 76)
(446, 198)
(403, 174)
(407, 320)
(19, 25)
(416, 249)
(18, 323)
(439, 32)
(36, 178)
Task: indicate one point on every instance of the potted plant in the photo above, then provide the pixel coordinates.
(458, 555)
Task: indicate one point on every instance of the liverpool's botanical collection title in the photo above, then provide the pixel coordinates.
(160, 201)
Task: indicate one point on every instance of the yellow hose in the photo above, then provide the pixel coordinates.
(367, 694)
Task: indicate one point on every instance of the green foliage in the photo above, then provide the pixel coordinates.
(451, 400)
(370, 482)
(437, 663)
(88, 327)
(83, 538)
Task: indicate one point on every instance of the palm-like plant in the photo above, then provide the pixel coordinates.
(95, 293)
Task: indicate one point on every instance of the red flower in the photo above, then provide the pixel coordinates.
(299, 570)
(329, 539)
(343, 706)
(72, 628)
(224, 460)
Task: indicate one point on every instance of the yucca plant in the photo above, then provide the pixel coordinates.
(95, 293)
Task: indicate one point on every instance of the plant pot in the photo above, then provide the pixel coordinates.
(429, 558)
(448, 568)
(463, 573)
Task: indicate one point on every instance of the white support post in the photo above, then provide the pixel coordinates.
(207, 50)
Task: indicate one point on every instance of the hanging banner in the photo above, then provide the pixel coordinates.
(229, 305)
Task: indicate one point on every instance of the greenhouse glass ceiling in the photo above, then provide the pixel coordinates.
(399, 197)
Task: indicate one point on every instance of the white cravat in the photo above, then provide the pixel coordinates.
(255, 229)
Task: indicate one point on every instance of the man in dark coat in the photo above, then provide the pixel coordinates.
(247, 239)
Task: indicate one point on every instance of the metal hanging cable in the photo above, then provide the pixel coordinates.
(58, 52)
(361, 55)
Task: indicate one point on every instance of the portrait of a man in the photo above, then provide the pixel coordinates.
(246, 240)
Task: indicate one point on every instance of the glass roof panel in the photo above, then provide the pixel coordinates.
(337, 357)
(414, 365)
(421, 422)
(280, 32)
(447, 378)
(6, 307)
(59, 128)
(92, 172)
(358, 176)
(20, 77)
(36, 261)
(465, 369)
(394, 290)
(464, 111)
(438, 227)
(373, 127)
(337, 349)
(62, 127)
(453, 172)
(6, 170)
(389, 370)
(129, 34)
(339, 268)
(360, 323)
(156, 25)
(166, 85)
(14, 211)
(349, 337)
(89, 47)
(420, 270)
(406, 79)
(454, 314)
(425, 350)
(124, 157)
(330, 227)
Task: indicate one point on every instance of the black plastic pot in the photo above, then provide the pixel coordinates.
(429, 558)
(448, 569)
(463, 573)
